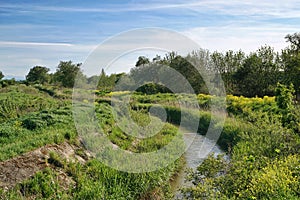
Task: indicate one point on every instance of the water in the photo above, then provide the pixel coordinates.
(199, 148)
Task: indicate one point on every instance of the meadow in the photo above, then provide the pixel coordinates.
(260, 136)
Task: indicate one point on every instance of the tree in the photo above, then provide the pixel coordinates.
(108, 82)
(1, 75)
(258, 74)
(294, 39)
(190, 73)
(38, 74)
(226, 65)
(103, 82)
(291, 62)
(67, 72)
(142, 60)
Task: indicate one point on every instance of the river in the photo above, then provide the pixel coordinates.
(199, 147)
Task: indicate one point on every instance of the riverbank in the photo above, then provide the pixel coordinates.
(192, 159)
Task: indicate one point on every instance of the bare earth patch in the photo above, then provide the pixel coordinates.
(18, 169)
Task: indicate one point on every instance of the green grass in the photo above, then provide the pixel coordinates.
(264, 154)
(18, 100)
(263, 157)
(93, 180)
(35, 130)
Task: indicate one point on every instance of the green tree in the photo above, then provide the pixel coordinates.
(108, 82)
(142, 60)
(190, 73)
(93, 80)
(67, 72)
(38, 74)
(1, 75)
(226, 65)
(291, 62)
(294, 39)
(105, 83)
(258, 74)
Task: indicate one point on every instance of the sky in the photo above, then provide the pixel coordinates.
(46, 32)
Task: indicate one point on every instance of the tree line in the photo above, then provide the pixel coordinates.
(253, 74)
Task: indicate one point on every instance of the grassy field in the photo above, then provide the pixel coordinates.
(262, 144)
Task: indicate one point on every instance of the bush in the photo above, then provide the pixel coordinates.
(153, 88)
(278, 180)
(33, 123)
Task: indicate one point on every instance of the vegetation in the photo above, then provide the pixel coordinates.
(66, 73)
(1, 75)
(92, 180)
(264, 157)
(250, 75)
(261, 133)
(38, 74)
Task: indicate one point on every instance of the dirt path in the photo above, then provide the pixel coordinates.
(20, 168)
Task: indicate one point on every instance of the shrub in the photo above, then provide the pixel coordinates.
(284, 96)
(153, 88)
(33, 123)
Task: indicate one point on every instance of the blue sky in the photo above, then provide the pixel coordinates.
(45, 32)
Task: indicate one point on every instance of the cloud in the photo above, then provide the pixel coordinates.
(30, 38)
(235, 37)
(18, 57)
(14, 43)
(110, 9)
(283, 9)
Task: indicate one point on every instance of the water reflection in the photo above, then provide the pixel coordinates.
(199, 148)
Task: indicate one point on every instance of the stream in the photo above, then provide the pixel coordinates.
(199, 148)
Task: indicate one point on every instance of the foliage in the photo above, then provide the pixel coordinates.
(5, 83)
(203, 179)
(259, 73)
(142, 60)
(190, 73)
(1, 75)
(107, 83)
(243, 106)
(38, 74)
(227, 64)
(284, 100)
(278, 180)
(67, 72)
(94, 179)
(18, 100)
(284, 97)
(35, 130)
(264, 161)
(152, 88)
(294, 39)
(43, 185)
(261, 134)
(290, 58)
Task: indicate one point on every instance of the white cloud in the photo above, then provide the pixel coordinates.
(18, 57)
(235, 37)
(246, 25)
(26, 44)
(275, 8)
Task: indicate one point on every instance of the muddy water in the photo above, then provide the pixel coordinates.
(199, 148)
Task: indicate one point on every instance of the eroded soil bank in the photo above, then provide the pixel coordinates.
(20, 168)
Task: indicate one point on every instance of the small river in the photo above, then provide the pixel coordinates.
(199, 148)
